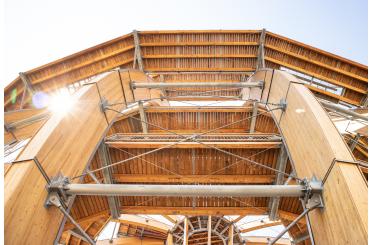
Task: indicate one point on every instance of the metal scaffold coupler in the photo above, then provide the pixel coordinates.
(57, 191)
(313, 193)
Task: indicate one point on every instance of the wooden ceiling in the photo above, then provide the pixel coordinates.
(220, 55)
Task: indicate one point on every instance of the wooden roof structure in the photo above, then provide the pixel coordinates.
(123, 130)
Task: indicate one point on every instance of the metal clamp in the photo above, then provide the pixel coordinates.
(314, 193)
(283, 104)
(103, 105)
(56, 188)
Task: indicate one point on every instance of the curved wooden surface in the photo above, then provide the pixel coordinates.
(60, 146)
(313, 142)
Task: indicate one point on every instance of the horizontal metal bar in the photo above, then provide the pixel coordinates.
(196, 84)
(186, 190)
(338, 108)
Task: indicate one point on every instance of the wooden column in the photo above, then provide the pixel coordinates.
(313, 143)
(231, 235)
(254, 117)
(186, 231)
(209, 229)
(170, 239)
(60, 145)
(143, 117)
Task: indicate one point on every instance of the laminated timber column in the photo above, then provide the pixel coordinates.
(231, 234)
(209, 228)
(186, 231)
(313, 143)
(65, 143)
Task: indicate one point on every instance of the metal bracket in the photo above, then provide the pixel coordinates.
(314, 193)
(103, 104)
(283, 104)
(56, 189)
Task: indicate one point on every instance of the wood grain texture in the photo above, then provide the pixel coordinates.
(60, 146)
(313, 142)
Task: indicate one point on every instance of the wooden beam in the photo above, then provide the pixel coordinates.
(214, 211)
(316, 75)
(240, 217)
(143, 222)
(264, 223)
(170, 218)
(309, 60)
(189, 145)
(164, 44)
(193, 56)
(189, 179)
(209, 228)
(131, 241)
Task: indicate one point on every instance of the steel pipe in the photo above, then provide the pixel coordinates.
(340, 109)
(196, 85)
(186, 190)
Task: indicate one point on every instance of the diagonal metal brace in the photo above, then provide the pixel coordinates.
(53, 199)
(313, 199)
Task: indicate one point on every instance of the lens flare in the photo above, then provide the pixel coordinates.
(61, 103)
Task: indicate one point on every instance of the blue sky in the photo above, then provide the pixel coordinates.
(37, 32)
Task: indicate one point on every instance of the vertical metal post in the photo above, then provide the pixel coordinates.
(137, 51)
(113, 201)
(354, 141)
(280, 165)
(261, 51)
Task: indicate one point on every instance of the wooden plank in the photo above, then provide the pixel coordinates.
(333, 81)
(311, 136)
(194, 145)
(131, 241)
(260, 225)
(143, 222)
(189, 179)
(171, 218)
